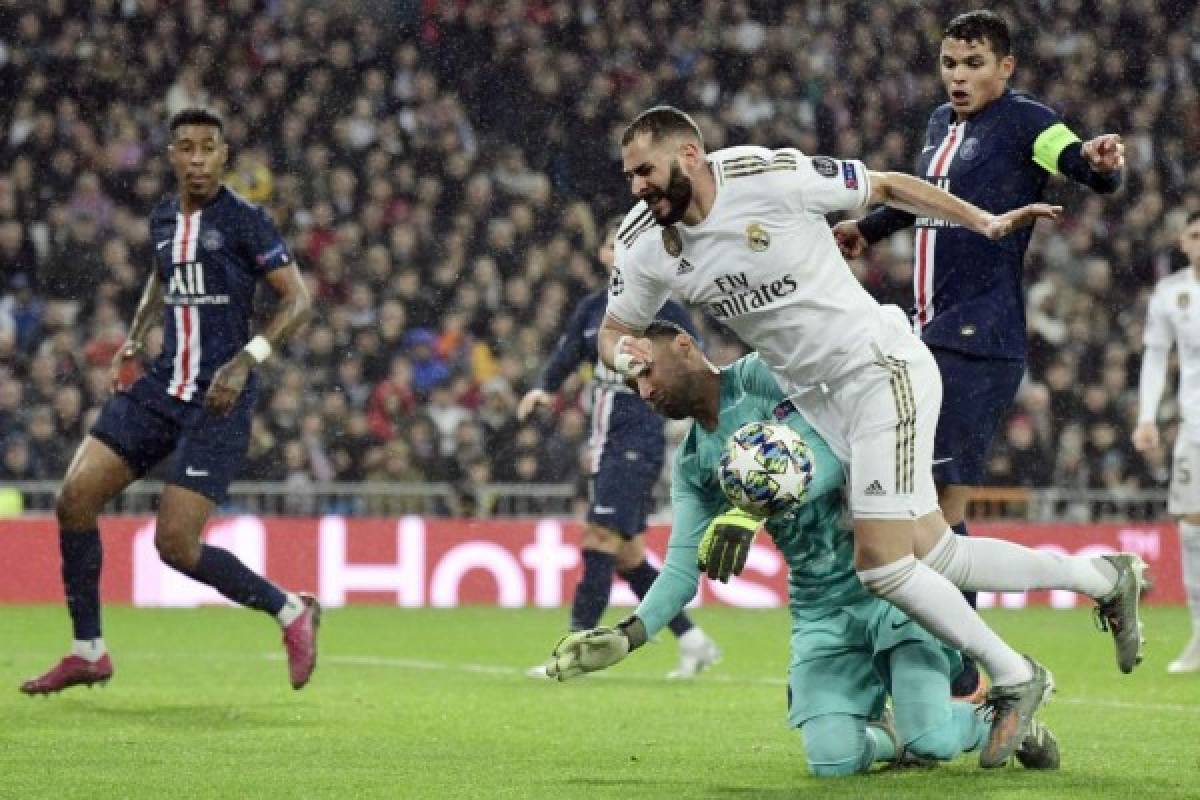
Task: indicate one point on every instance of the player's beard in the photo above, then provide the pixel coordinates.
(678, 194)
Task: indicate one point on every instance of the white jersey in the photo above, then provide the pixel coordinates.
(764, 262)
(1174, 318)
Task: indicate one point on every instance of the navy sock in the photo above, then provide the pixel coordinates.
(640, 578)
(961, 530)
(968, 680)
(591, 595)
(82, 556)
(223, 571)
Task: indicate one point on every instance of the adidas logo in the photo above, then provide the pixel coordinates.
(685, 267)
(874, 490)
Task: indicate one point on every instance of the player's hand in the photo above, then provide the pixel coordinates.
(126, 367)
(726, 544)
(849, 238)
(1105, 153)
(227, 385)
(532, 399)
(587, 651)
(632, 356)
(1145, 437)
(1002, 225)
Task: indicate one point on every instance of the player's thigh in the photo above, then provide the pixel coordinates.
(601, 539)
(95, 475)
(141, 425)
(622, 491)
(891, 410)
(976, 393)
(212, 448)
(831, 670)
(1183, 496)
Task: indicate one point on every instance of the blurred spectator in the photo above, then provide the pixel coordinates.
(440, 177)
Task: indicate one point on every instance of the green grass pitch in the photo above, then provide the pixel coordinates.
(434, 704)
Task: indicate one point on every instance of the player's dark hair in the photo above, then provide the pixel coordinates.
(660, 122)
(197, 116)
(664, 329)
(1192, 217)
(981, 26)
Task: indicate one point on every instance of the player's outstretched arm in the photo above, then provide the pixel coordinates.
(148, 312)
(592, 650)
(920, 197)
(293, 310)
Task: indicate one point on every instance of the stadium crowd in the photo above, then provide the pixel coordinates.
(443, 171)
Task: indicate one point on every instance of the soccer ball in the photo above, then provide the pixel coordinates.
(765, 468)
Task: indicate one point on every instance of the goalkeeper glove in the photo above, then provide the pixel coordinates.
(726, 544)
(596, 649)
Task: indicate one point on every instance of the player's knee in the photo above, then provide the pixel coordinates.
(630, 554)
(941, 743)
(834, 745)
(73, 507)
(599, 538)
(177, 552)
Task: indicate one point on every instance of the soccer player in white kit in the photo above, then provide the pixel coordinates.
(741, 233)
(1174, 318)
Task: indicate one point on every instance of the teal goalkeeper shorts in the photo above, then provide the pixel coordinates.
(839, 659)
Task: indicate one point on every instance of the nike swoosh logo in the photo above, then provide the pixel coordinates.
(937, 461)
(590, 331)
(898, 625)
(930, 147)
(603, 509)
(161, 245)
(195, 473)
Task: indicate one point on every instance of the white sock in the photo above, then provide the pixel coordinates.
(938, 606)
(89, 649)
(292, 609)
(694, 637)
(979, 563)
(1189, 555)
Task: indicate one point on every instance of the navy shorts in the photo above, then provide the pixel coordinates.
(976, 393)
(145, 425)
(622, 491)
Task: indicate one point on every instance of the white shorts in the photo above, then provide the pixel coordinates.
(881, 419)
(1184, 494)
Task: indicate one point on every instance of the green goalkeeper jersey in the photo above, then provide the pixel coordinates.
(814, 537)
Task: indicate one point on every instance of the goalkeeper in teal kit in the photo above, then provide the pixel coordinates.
(849, 649)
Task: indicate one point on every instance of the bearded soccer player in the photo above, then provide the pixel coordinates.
(627, 447)
(193, 404)
(995, 148)
(750, 222)
(850, 651)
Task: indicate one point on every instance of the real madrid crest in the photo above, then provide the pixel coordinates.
(671, 241)
(757, 237)
(1183, 300)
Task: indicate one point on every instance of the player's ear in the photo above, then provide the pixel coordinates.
(1007, 65)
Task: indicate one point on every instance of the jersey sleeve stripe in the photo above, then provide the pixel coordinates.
(633, 235)
(621, 234)
(1050, 143)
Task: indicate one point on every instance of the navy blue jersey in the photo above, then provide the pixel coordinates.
(968, 289)
(210, 262)
(620, 418)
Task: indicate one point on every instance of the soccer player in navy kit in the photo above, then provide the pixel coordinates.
(995, 148)
(627, 446)
(195, 403)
